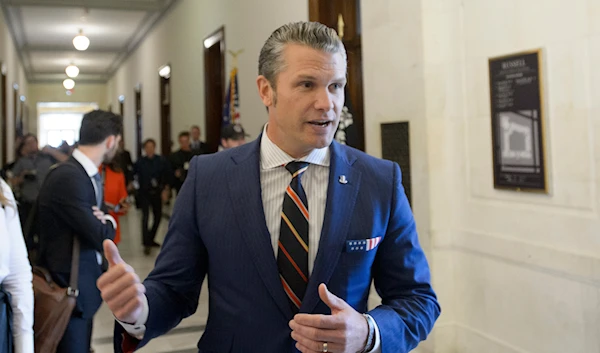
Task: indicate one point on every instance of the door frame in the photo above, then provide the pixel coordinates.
(212, 91)
(4, 112)
(164, 101)
(137, 94)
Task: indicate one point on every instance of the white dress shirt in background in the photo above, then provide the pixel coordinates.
(15, 273)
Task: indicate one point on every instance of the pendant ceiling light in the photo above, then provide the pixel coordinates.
(165, 71)
(72, 71)
(81, 42)
(68, 83)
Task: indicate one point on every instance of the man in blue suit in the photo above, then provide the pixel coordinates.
(314, 223)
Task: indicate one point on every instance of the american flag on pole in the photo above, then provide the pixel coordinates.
(231, 108)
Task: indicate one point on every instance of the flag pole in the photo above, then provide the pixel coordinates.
(235, 55)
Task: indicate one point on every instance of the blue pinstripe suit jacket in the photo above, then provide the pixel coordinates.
(218, 230)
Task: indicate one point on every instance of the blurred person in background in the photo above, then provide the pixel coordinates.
(232, 135)
(30, 171)
(115, 192)
(198, 146)
(71, 206)
(180, 160)
(6, 172)
(153, 175)
(123, 157)
(15, 274)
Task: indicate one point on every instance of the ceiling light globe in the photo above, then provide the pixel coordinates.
(68, 83)
(81, 42)
(72, 71)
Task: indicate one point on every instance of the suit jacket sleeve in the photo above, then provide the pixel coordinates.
(75, 209)
(402, 279)
(173, 287)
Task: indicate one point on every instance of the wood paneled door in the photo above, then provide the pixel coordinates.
(138, 119)
(344, 16)
(4, 113)
(214, 86)
(164, 76)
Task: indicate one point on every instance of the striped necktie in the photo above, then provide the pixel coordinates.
(292, 254)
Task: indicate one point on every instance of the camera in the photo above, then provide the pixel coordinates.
(30, 175)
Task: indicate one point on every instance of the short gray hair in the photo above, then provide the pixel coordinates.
(312, 34)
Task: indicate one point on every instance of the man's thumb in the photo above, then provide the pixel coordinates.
(111, 253)
(333, 302)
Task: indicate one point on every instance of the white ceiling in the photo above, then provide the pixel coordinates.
(43, 31)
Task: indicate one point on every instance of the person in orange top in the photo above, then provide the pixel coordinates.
(115, 192)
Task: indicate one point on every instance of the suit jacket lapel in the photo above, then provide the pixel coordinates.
(341, 198)
(245, 190)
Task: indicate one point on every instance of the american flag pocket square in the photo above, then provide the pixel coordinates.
(358, 245)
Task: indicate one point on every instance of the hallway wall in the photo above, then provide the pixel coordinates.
(523, 267)
(55, 92)
(178, 40)
(15, 74)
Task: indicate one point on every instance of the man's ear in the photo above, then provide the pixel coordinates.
(110, 142)
(265, 91)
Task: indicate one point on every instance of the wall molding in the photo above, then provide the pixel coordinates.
(578, 267)
(499, 345)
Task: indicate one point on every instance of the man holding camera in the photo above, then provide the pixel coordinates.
(30, 170)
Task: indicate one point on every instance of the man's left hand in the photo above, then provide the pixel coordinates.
(345, 330)
(99, 214)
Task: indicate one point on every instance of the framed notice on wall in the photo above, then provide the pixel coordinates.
(516, 89)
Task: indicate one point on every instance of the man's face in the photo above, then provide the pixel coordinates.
(149, 149)
(231, 143)
(112, 149)
(304, 111)
(31, 146)
(195, 134)
(184, 143)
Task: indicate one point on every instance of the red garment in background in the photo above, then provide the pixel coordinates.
(114, 192)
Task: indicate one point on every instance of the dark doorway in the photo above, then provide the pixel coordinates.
(138, 120)
(4, 116)
(214, 86)
(345, 14)
(164, 76)
(18, 122)
(122, 105)
(24, 116)
(122, 112)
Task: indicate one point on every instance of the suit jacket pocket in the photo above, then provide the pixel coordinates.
(215, 341)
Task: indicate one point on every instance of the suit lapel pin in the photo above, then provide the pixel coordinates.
(343, 180)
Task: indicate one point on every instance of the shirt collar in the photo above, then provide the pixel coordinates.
(86, 163)
(271, 156)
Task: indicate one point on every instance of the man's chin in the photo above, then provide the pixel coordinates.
(322, 143)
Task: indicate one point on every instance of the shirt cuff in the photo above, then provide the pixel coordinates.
(377, 344)
(24, 342)
(138, 329)
(110, 218)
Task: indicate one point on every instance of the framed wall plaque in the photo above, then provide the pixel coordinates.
(516, 89)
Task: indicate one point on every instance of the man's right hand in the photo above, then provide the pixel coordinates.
(120, 287)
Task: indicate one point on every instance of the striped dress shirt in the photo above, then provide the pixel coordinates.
(274, 179)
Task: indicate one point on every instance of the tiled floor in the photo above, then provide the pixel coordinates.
(182, 339)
